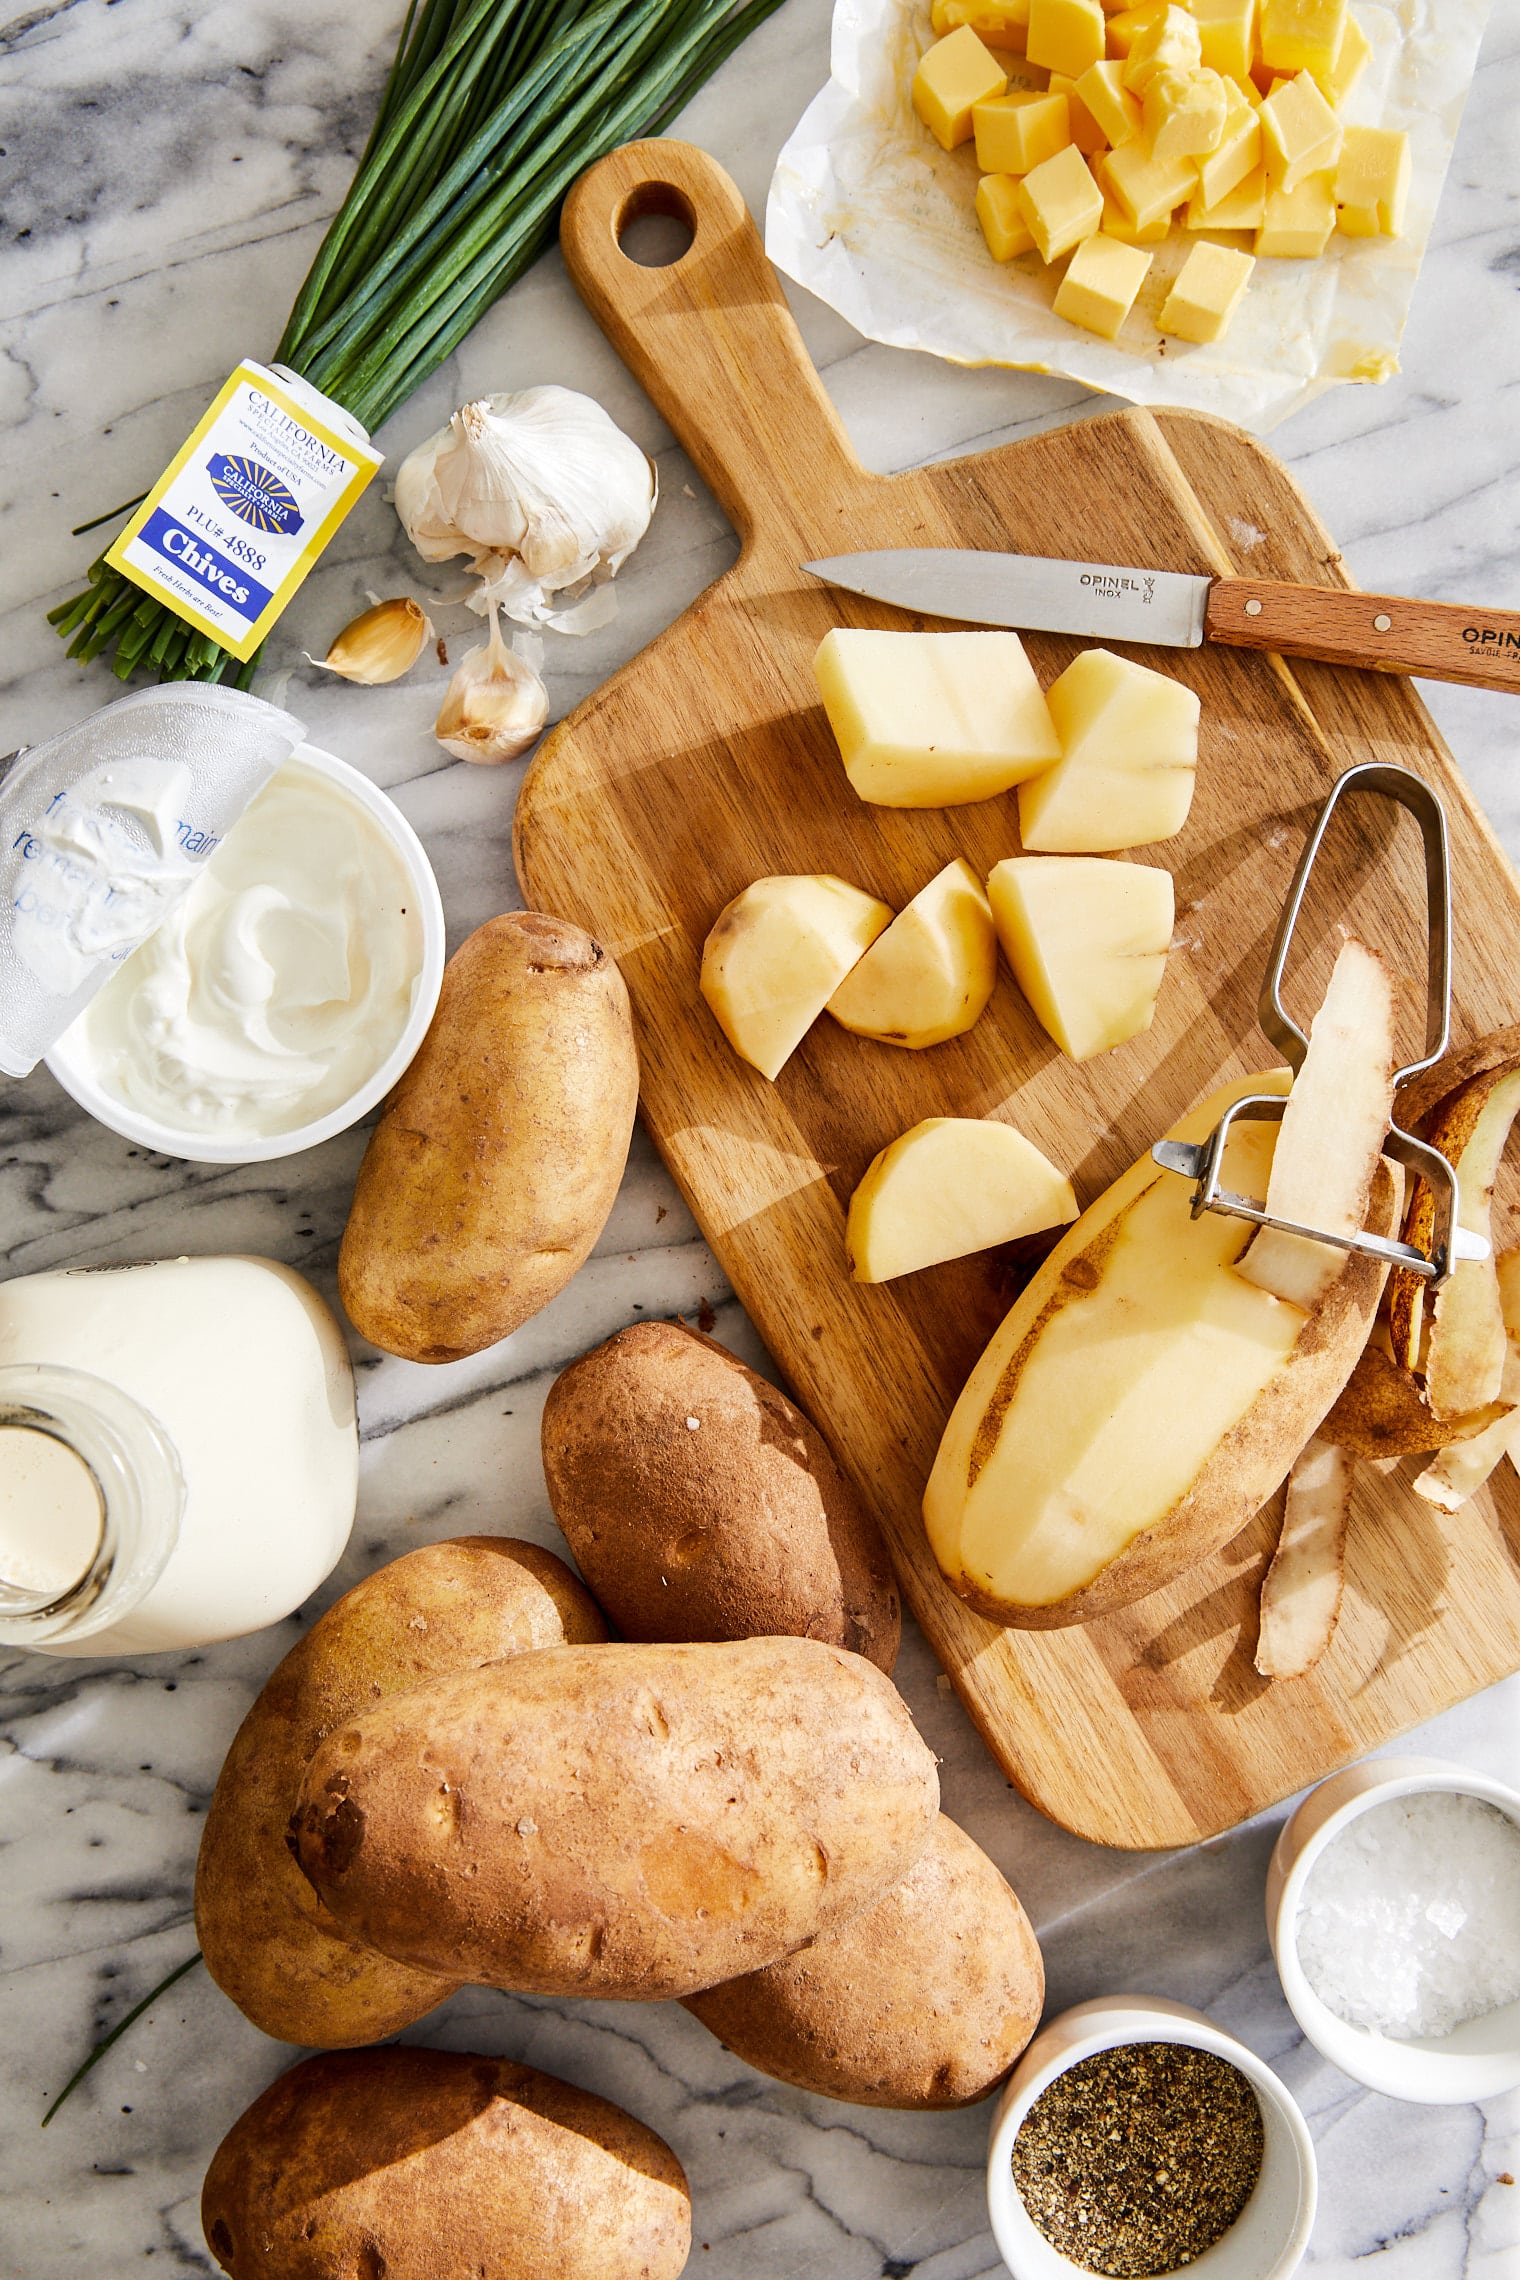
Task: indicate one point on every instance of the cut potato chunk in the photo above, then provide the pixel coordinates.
(929, 976)
(953, 1185)
(1129, 749)
(776, 955)
(1332, 1131)
(1456, 1337)
(1087, 941)
(933, 719)
(1141, 1401)
(1301, 1593)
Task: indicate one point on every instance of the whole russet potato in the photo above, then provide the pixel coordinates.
(700, 1504)
(432, 2165)
(924, 2000)
(268, 1941)
(628, 1821)
(497, 1158)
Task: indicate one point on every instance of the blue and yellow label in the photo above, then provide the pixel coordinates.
(242, 512)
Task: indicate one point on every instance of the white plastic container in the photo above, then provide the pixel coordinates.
(1267, 2239)
(71, 1058)
(178, 1453)
(1480, 2059)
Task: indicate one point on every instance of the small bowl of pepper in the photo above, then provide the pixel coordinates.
(1135, 2139)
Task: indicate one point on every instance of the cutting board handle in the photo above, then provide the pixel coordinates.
(711, 340)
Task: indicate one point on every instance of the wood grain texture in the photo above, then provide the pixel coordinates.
(707, 761)
(1379, 633)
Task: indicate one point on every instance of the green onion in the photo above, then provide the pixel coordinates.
(490, 111)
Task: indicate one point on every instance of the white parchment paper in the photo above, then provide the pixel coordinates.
(870, 214)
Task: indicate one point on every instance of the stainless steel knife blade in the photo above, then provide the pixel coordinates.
(1099, 600)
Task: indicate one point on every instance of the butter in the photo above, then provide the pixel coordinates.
(1066, 35)
(1351, 60)
(1301, 35)
(1205, 293)
(1100, 285)
(997, 23)
(1003, 224)
(1125, 27)
(1184, 113)
(1300, 133)
(1296, 224)
(1241, 207)
(954, 75)
(1117, 224)
(1061, 203)
(1101, 88)
(1372, 182)
(1237, 153)
(1016, 133)
(1146, 189)
(1085, 130)
(1226, 33)
(1171, 43)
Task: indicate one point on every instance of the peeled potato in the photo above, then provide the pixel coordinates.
(952, 1185)
(933, 719)
(776, 955)
(929, 976)
(1129, 749)
(1087, 941)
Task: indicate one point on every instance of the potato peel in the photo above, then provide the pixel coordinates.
(1301, 1593)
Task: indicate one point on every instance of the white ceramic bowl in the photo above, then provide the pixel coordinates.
(1267, 2239)
(213, 1148)
(1478, 2060)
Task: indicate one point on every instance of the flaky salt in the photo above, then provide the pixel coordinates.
(1410, 1919)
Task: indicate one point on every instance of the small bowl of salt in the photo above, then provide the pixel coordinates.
(1393, 1905)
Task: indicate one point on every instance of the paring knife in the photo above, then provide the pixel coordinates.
(1382, 633)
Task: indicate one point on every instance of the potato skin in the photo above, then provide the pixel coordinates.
(700, 1504)
(268, 1941)
(497, 1159)
(627, 1821)
(923, 2001)
(422, 2164)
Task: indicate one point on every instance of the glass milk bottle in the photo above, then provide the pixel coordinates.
(178, 1453)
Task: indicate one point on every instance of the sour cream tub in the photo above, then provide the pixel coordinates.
(409, 944)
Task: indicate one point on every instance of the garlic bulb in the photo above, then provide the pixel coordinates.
(380, 644)
(496, 703)
(541, 490)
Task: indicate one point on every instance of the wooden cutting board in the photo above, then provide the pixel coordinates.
(707, 762)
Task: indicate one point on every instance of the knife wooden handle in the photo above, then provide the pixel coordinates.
(1381, 633)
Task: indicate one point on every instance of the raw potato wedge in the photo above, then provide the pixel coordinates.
(1142, 1400)
(1457, 1335)
(1301, 1592)
(1459, 1471)
(933, 719)
(1129, 750)
(929, 976)
(776, 955)
(950, 1186)
(923, 2001)
(1087, 940)
(1382, 1412)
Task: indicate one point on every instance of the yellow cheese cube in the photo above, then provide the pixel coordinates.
(1085, 130)
(1015, 133)
(1100, 285)
(1351, 60)
(1125, 28)
(954, 75)
(1238, 153)
(1117, 224)
(1003, 225)
(1205, 292)
(1065, 35)
(998, 24)
(1171, 43)
(1061, 203)
(1372, 180)
(933, 719)
(1300, 133)
(1301, 35)
(1241, 207)
(1226, 32)
(1296, 224)
(1147, 190)
(1184, 112)
(1248, 88)
(1101, 88)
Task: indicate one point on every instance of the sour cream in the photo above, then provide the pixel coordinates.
(279, 986)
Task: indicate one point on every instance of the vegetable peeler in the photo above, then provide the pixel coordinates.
(1202, 1162)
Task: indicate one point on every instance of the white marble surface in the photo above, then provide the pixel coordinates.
(168, 165)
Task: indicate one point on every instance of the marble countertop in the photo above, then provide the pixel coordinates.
(168, 166)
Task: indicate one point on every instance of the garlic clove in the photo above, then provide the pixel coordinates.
(495, 706)
(380, 644)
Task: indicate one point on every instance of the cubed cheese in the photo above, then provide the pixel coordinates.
(1061, 203)
(934, 719)
(1185, 114)
(1117, 112)
(1296, 224)
(954, 75)
(1171, 43)
(998, 24)
(1017, 132)
(1226, 30)
(1118, 224)
(1241, 208)
(1301, 35)
(1237, 153)
(1099, 288)
(1205, 292)
(1003, 225)
(1146, 189)
(1300, 133)
(1085, 130)
(1125, 28)
(1065, 35)
(1372, 182)
(1351, 60)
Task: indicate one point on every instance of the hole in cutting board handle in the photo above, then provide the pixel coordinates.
(655, 225)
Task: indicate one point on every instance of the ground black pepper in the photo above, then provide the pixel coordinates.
(1136, 2160)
